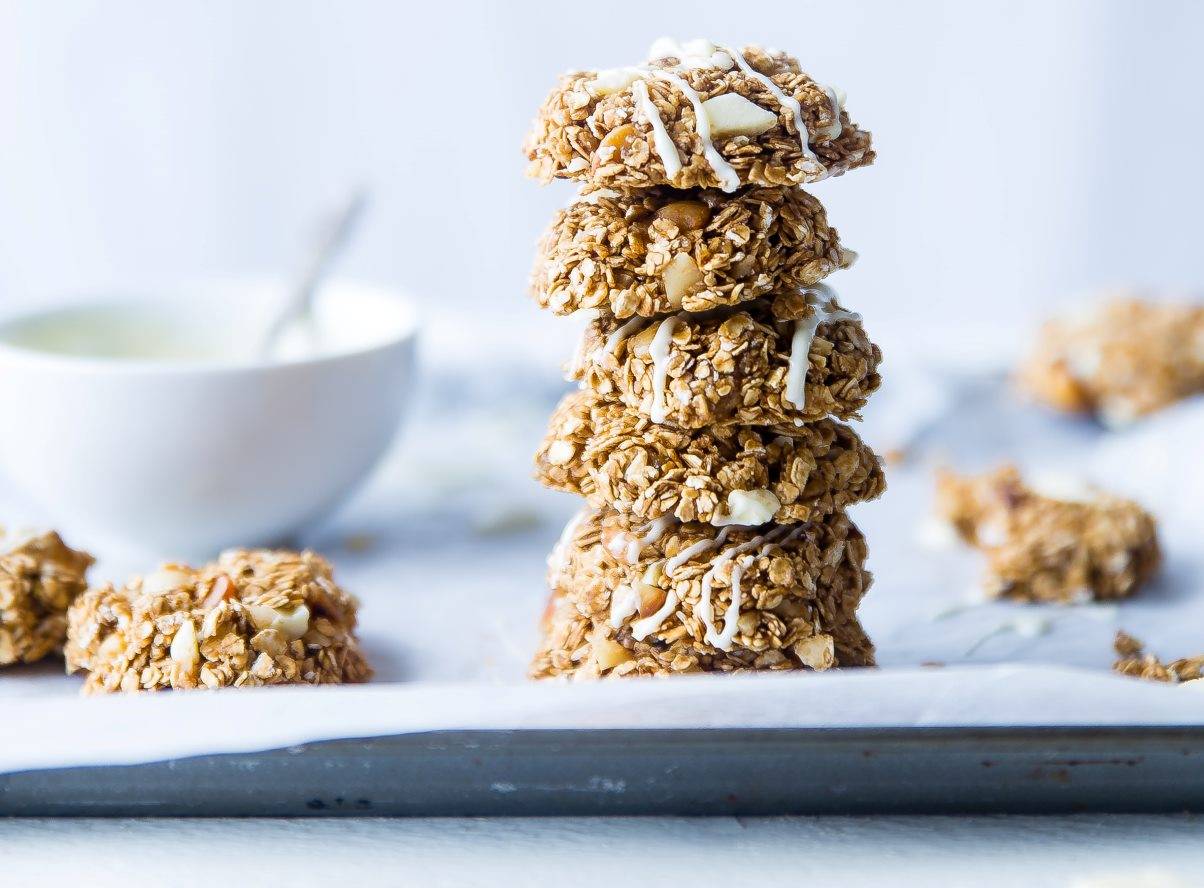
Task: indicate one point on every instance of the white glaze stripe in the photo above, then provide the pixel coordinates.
(557, 561)
(659, 352)
(613, 340)
(631, 546)
(788, 102)
(834, 129)
(689, 552)
(661, 139)
(706, 609)
(820, 297)
(729, 179)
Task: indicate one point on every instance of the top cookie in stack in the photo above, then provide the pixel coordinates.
(696, 115)
(712, 372)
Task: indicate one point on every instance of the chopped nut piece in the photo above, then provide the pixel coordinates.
(560, 452)
(817, 652)
(749, 507)
(276, 618)
(610, 148)
(733, 115)
(687, 215)
(1041, 548)
(292, 623)
(184, 648)
(651, 598)
(680, 278)
(609, 654)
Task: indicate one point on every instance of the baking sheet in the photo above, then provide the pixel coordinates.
(446, 549)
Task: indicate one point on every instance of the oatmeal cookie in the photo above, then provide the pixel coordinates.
(695, 116)
(1126, 359)
(699, 600)
(795, 358)
(253, 617)
(658, 251)
(618, 459)
(39, 578)
(1136, 662)
(1051, 547)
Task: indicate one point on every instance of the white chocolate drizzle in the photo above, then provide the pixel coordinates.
(558, 560)
(581, 357)
(624, 602)
(788, 102)
(661, 140)
(692, 55)
(630, 546)
(659, 352)
(833, 129)
(821, 298)
(698, 548)
(640, 629)
(731, 617)
(729, 179)
(616, 337)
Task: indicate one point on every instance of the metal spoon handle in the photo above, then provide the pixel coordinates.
(333, 234)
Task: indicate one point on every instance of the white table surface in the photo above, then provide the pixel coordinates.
(1066, 852)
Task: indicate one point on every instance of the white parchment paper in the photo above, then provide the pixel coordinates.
(446, 550)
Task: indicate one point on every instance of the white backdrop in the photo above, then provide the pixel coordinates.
(1028, 150)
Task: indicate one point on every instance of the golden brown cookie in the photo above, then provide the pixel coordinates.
(1051, 548)
(616, 458)
(1128, 358)
(793, 359)
(696, 116)
(658, 251)
(697, 599)
(39, 578)
(253, 617)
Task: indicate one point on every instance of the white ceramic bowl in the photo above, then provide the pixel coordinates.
(188, 455)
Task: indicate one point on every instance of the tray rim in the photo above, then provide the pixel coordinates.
(696, 771)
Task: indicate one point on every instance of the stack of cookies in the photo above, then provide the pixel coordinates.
(705, 436)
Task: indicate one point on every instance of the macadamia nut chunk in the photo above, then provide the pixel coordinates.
(39, 578)
(253, 617)
(1051, 548)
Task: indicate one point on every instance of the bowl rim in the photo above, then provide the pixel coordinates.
(14, 354)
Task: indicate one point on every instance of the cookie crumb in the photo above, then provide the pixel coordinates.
(1133, 660)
